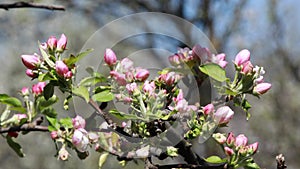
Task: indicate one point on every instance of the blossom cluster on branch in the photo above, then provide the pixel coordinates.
(160, 121)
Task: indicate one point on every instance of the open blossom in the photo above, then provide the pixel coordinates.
(262, 88)
(208, 109)
(61, 43)
(38, 88)
(31, 61)
(52, 42)
(80, 139)
(110, 57)
(223, 115)
(141, 74)
(78, 122)
(242, 57)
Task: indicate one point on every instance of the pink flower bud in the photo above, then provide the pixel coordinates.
(78, 122)
(228, 151)
(261, 88)
(127, 65)
(174, 60)
(80, 139)
(179, 96)
(38, 88)
(25, 91)
(182, 106)
(131, 87)
(208, 109)
(62, 69)
(219, 59)
(141, 74)
(120, 78)
(54, 135)
(201, 53)
(223, 115)
(62, 43)
(168, 78)
(247, 68)
(52, 43)
(30, 61)
(241, 140)
(149, 87)
(253, 147)
(242, 57)
(63, 154)
(110, 57)
(230, 139)
(30, 73)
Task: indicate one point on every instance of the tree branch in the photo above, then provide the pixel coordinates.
(22, 4)
(33, 126)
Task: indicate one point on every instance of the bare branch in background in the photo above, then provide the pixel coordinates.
(22, 4)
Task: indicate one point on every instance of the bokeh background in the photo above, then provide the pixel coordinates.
(270, 29)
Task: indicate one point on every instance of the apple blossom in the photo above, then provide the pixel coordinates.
(52, 43)
(261, 88)
(38, 88)
(120, 78)
(62, 69)
(25, 91)
(228, 151)
(141, 74)
(61, 43)
(30, 73)
(242, 57)
(253, 147)
(223, 115)
(126, 64)
(208, 109)
(54, 135)
(110, 57)
(241, 140)
(78, 122)
(31, 61)
(80, 139)
(230, 139)
(247, 68)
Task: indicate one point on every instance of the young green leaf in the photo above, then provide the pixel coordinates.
(15, 146)
(214, 71)
(82, 92)
(104, 96)
(74, 59)
(12, 101)
(215, 159)
(48, 91)
(66, 122)
(102, 159)
(46, 57)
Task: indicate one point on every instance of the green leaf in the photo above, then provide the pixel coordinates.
(48, 91)
(104, 96)
(215, 160)
(214, 71)
(45, 76)
(82, 92)
(43, 103)
(124, 116)
(5, 114)
(252, 166)
(53, 124)
(66, 122)
(15, 146)
(49, 111)
(88, 81)
(5, 99)
(73, 59)
(46, 57)
(102, 159)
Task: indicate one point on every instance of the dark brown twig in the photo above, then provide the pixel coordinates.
(33, 126)
(22, 4)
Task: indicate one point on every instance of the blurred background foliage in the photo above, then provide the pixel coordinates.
(269, 29)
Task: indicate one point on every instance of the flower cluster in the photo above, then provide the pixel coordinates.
(239, 152)
(38, 64)
(197, 56)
